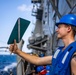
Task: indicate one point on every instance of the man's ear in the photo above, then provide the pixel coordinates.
(69, 28)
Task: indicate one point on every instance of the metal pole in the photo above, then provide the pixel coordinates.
(19, 66)
(69, 3)
(55, 8)
(5, 47)
(19, 30)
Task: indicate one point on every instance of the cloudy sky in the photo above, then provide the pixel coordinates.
(10, 11)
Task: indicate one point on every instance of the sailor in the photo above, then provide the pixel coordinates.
(63, 62)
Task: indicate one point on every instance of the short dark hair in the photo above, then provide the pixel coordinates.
(74, 29)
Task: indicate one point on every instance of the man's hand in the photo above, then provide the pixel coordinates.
(13, 47)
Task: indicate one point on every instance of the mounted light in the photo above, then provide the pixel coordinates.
(38, 36)
(31, 40)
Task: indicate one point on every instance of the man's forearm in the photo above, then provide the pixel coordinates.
(34, 59)
(29, 58)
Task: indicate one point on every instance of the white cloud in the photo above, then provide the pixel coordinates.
(24, 7)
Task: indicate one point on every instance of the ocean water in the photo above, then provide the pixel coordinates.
(8, 64)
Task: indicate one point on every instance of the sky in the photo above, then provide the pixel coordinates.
(10, 11)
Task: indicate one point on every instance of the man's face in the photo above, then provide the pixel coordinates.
(62, 31)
